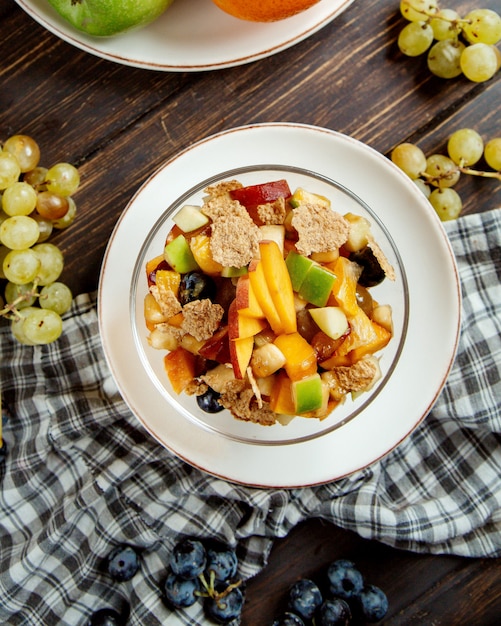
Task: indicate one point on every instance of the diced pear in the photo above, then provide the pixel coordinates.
(382, 315)
(360, 230)
(273, 232)
(331, 320)
(266, 360)
(190, 218)
(302, 196)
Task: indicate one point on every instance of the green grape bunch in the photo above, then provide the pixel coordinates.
(455, 45)
(437, 174)
(34, 201)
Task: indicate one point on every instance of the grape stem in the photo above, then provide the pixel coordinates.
(456, 21)
(210, 590)
(10, 310)
(472, 172)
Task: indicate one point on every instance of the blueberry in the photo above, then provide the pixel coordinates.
(288, 619)
(196, 286)
(304, 598)
(188, 559)
(373, 603)
(345, 579)
(225, 609)
(223, 563)
(123, 563)
(208, 401)
(334, 612)
(107, 617)
(180, 592)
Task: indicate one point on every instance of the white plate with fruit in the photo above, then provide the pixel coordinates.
(191, 35)
(423, 296)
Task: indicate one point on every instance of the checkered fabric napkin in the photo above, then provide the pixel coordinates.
(81, 475)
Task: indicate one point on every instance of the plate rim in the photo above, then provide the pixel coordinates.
(309, 131)
(92, 45)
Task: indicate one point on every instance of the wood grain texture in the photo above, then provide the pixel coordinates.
(119, 124)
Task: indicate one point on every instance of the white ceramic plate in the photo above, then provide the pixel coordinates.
(192, 35)
(421, 363)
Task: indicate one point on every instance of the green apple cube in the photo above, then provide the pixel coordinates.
(317, 285)
(179, 256)
(308, 394)
(189, 218)
(331, 320)
(297, 266)
(233, 272)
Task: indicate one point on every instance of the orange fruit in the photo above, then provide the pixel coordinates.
(264, 10)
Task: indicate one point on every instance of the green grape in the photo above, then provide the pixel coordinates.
(56, 297)
(479, 62)
(19, 199)
(51, 262)
(483, 26)
(69, 216)
(418, 10)
(62, 179)
(13, 292)
(36, 177)
(410, 159)
(423, 187)
(16, 325)
(445, 24)
(42, 326)
(9, 169)
(492, 153)
(45, 227)
(441, 171)
(19, 232)
(446, 203)
(21, 266)
(465, 146)
(51, 205)
(25, 149)
(4, 251)
(444, 58)
(415, 38)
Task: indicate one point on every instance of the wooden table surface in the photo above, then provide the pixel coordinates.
(118, 124)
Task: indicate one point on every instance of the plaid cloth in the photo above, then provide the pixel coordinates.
(81, 475)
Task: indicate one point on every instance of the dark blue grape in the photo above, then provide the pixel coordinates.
(208, 401)
(123, 563)
(345, 579)
(180, 592)
(304, 598)
(196, 286)
(223, 563)
(188, 559)
(373, 603)
(334, 612)
(288, 619)
(107, 617)
(225, 609)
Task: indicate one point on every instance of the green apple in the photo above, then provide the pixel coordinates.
(190, 218)
(104, 18)
(308, 394)
(317, 285)
(330, 319)
(179, 256)
(297, 266)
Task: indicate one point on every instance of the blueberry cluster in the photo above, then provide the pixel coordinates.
(348, 599)
(197, 572)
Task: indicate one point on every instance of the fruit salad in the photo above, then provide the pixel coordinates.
(262, 300)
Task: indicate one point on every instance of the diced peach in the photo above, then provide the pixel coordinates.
(152, 312)
(300, 357)
(335, 361)
(246, 301)
(176, 320)
(180, 367)
(281, 400)
(152, 264)
(240, 355)
(362, 332)
(279, 283)
(381, 339)
(262, 292)
(200, 247)
(240, 325)
(168, 280)
(344, 290)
